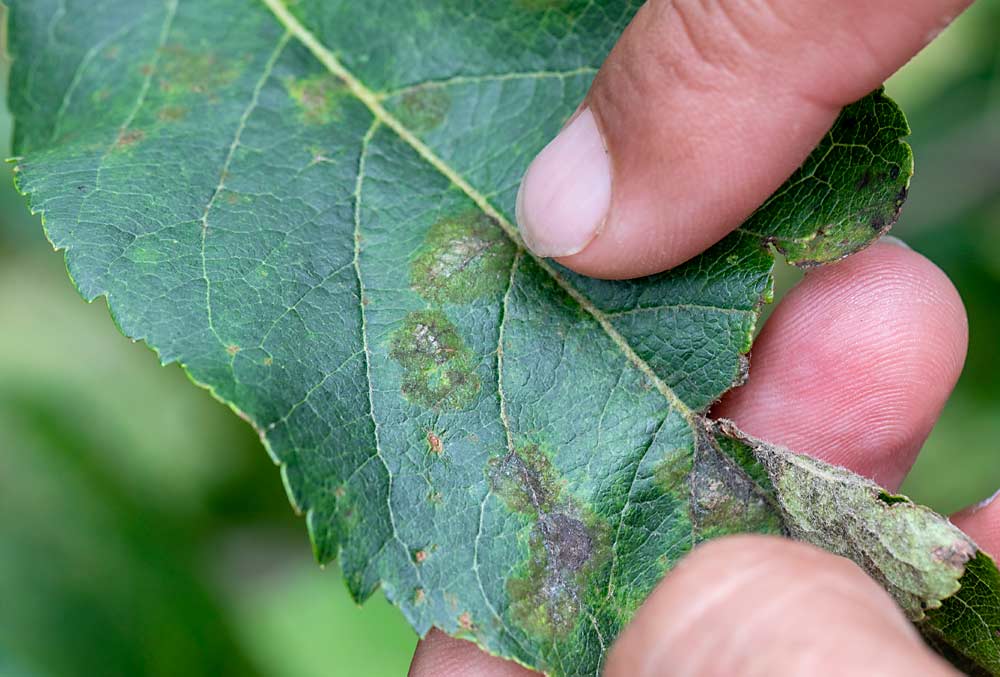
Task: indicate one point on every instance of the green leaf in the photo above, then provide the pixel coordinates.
(309, 207)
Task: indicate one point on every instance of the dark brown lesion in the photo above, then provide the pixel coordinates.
(566, 543)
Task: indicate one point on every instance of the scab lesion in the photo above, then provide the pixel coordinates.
(424, 108)
(464, 257)
(439, 369)
(567, 543)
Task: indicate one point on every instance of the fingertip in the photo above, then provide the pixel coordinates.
(768, 606)
(856, 363)
(439, 655)
(565, 195)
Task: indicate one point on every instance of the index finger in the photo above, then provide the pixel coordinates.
(701, 111)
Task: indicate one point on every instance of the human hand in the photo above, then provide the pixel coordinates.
(701, 111)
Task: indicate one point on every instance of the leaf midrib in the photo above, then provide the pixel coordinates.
(373, 102)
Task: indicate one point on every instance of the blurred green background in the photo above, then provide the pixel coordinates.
(143, 529)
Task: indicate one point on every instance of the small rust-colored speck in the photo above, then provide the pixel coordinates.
(364, 300)
(339, 492)
(435, 443)
(232, 349)
(435, 497)
(465, 621)
(420, 556)
(419, 596)
(146, 70)
(268, 361)
(130, 137)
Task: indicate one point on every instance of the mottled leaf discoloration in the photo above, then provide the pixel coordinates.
(319, 97)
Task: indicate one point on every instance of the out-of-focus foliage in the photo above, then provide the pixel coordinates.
(105, 457)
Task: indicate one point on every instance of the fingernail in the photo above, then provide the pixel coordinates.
(892, 239)
(982, 505)
(566, 193)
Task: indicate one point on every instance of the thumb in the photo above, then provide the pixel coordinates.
(700, 112)
(752, 605)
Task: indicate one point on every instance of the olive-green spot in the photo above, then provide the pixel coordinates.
(892, 499)
(464, 257)
(171, 113)
(320, 97)
(743, 455)
(184, 70)
(425, 108)
(525, 480)
(145, 255)
(672, 473)
(439, 369)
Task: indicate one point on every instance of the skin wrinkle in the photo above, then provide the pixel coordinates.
(702, 606)
(790, 597)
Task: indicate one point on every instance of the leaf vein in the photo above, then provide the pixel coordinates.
(371, 100)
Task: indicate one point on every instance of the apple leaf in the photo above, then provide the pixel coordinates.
(308, 205)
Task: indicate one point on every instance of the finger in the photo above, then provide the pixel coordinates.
(982, 522)
(439, 655)
(753, 605)
(700, 112)
(856, 363)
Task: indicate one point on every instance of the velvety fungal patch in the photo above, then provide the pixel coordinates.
(566, 543)
(724, 500)
(673, 471)
(464, 257)
(438, 368)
